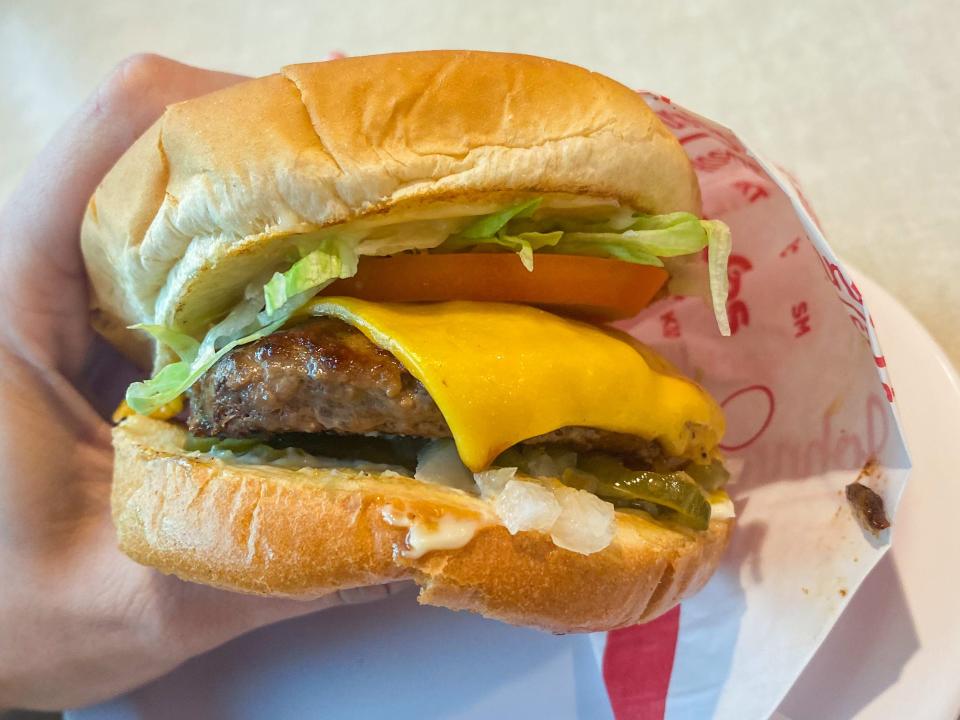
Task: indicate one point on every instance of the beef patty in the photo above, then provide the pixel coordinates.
(325, 376)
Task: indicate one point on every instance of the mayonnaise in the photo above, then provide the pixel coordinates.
(446, 533)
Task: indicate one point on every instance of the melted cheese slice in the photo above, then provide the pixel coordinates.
(504, 373)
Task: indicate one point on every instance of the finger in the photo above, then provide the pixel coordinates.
(106, 375)
(254, 612)
(370, 593)
(39, 226)
(201, 618)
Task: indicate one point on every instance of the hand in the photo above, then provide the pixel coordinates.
(79, 621)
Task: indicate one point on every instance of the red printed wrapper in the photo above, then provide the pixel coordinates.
(808, 404)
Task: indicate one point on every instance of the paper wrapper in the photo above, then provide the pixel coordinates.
(809, 405)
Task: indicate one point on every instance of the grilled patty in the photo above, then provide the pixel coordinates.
(325, 376)
(320, 376)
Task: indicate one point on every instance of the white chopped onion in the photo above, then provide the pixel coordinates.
(525, 505)
(586, 523)
(721, 507)
(541, 463)
(492, 482)
(439, 463)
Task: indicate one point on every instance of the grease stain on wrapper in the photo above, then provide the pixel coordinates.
(867, 505)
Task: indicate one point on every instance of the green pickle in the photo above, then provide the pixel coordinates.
(636, 489)
(668, 494)
(710, 477)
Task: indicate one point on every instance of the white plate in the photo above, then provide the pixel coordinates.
(896, 650)
(894, 653)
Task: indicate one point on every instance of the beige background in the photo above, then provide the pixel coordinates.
(861, 100)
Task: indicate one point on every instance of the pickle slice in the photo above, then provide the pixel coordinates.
(710, 477)
(627, 488)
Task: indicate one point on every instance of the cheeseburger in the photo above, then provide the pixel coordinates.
(376, 294)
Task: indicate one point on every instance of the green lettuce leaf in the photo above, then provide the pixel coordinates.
(182, 344)
(523, 244)
(647, 239)
(662, 222)
(173, 380)
(613, 248)
(333, 259)
(650, 235)
(488, 226)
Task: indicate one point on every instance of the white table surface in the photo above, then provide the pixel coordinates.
(860, 99)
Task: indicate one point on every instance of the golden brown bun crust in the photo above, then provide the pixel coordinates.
(301, 534)
(227, 177)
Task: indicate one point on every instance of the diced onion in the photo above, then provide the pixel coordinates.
(526, 506)
(586, 523)
(492, 482)
(439, 463)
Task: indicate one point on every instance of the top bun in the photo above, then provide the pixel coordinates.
(208, 198)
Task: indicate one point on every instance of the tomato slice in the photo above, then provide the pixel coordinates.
(588, 287)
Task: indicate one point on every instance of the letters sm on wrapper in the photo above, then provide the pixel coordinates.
(809, 404)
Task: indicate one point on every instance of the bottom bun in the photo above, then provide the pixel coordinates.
(304, 533)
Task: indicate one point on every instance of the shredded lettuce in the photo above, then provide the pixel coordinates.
(719, 245)
(332, 260)
(174, 379)
(182, 344)
(612, 248)
(523, 244)
(489, 230)
(648, 239)
(487, 226)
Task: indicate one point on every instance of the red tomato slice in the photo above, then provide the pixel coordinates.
(590, 287)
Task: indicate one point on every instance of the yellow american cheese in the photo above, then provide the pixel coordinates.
(164, 412)
(503, 373)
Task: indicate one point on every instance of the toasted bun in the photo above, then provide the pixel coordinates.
(304, 533)
(207, 199)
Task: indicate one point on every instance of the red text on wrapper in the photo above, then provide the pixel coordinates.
(752, 191)
(670, 325)
(792, 248)
(801, 319)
